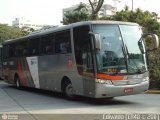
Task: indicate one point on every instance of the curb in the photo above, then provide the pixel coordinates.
(153, 92)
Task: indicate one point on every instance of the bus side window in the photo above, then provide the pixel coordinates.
(23, 48)
(25, 52)
(34, 46)
(47, 44)
(16, 52)
(6, 51)
(64, 47)
(63, 42)
(11, 50)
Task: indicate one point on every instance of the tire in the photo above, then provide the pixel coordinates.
(18, 83)
(69, 91)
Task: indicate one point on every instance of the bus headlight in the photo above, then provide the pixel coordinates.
(145, 79)
(104, 81)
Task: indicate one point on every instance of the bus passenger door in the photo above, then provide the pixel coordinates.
(84, 59)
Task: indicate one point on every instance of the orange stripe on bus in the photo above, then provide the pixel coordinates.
(109, 77)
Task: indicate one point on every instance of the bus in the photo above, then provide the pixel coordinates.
(97, 59)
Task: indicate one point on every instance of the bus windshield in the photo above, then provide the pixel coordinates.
(120, 52)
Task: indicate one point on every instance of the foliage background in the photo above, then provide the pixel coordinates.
(8, 32)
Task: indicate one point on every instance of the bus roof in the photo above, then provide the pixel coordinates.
(44, 32)
(103, 22)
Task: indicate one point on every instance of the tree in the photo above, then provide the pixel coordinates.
(96, 6)
(146, 19)
(82, 13)
(154, 68)
(79, 14)
(8, 32)
(27, 29)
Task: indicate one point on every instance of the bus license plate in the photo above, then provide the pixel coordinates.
(128, 90)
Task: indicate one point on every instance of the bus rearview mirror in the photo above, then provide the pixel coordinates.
(97, 40)
(156, 41)
(153, 40)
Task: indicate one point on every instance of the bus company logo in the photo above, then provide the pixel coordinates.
(33, 62)
(4, 116)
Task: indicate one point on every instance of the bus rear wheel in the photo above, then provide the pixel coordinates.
(69, 90)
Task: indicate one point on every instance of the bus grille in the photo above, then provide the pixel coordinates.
(126, 82)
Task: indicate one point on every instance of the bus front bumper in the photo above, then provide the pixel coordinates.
(105, 90)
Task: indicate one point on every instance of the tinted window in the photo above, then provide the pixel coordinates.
(12, 50)
(34, 46)
(0, 52)
(83, 50)
(21, 48)
(63, 42)
(5, 51)
(47, 44)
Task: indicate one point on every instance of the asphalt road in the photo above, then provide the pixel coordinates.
(31, 101)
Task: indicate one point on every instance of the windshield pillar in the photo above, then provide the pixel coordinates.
(124, 50)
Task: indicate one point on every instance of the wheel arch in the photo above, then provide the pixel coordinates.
(64, 81)
(15, 77)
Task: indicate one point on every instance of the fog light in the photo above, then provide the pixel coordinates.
(145, 79)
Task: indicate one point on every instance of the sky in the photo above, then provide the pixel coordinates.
(50, 11)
